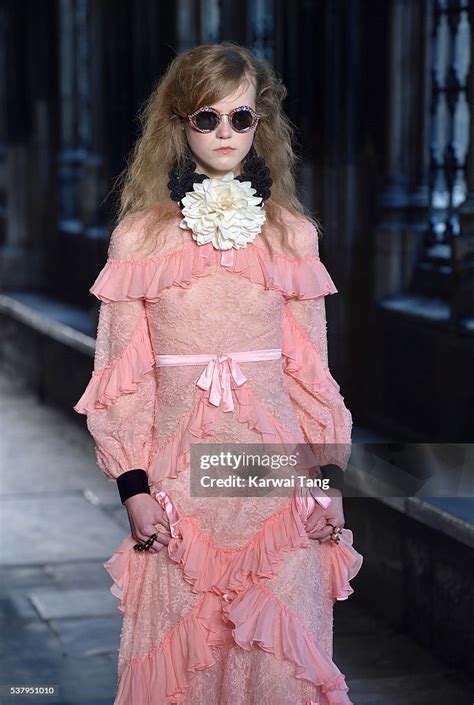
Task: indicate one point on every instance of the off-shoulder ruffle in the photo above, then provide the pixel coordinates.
(122, 375)
(261, 618)
(298, 277)
(128, 280)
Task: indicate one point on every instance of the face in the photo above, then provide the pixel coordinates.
(205, 146)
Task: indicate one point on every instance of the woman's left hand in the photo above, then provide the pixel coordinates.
(334, 514)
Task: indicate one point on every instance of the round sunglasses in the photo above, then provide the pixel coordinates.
(207, 119)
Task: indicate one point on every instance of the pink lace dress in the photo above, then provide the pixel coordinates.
(237, 609)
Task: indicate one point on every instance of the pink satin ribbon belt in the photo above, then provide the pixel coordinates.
(217, 375)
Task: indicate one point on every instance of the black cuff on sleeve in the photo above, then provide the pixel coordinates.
(335, 475)
(132, 482)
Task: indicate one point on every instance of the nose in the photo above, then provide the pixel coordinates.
(224, 129)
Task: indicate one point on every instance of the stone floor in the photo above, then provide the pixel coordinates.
(60, 519)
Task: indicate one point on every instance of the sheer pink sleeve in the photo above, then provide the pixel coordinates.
(120, 398)
(324, 418)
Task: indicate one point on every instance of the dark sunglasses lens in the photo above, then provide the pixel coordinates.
(206, 120)
(242, 120)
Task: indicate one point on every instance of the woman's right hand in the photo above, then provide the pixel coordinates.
(144, 514)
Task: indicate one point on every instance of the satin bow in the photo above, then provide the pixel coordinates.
(216, 377)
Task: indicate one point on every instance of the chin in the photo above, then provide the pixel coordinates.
(225, 168)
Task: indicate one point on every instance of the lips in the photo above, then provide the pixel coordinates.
(224, 150)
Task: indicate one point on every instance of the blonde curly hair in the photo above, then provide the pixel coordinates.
(201, 76)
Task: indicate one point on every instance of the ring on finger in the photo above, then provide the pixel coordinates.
(151, 540)
(146, 545)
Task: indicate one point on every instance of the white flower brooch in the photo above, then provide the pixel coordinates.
(223, 211)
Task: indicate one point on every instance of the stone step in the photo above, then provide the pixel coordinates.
(389, 668)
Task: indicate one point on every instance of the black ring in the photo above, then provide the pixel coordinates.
(146, 545)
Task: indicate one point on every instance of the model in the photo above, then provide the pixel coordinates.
(212, 328)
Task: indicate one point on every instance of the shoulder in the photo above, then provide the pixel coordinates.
(301, 236)
(127, 236)
(142, 234)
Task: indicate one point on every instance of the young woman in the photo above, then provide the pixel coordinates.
(212, 329)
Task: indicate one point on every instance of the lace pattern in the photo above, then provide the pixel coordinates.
(311, 317)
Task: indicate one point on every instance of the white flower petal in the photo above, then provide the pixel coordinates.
(223, 211)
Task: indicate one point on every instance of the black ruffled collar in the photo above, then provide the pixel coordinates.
(254, 169)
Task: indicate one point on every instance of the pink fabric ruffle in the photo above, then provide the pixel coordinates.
(163, 675)
(229, 579)
(299, 277)
(302, 360)
(174, 456)
(118, 567)
(346, 563)
(199, 422)
(323, 416)
(225, 571)
(259, 616)
(345, 560)
(123, 374)
(210, 568)
(127, 280)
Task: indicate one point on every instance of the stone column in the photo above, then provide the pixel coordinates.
(31, 128)
(404, 201)
(466, 210)
(340, 184)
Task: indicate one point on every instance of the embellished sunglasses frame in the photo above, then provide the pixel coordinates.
(206, 108)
